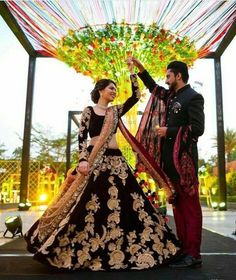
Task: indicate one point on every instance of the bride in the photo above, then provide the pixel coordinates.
(101, 219)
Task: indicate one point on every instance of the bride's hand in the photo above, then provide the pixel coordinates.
(130, 65)
(83, 167)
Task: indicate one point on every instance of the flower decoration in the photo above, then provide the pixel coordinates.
(101, 51)
(153, 193)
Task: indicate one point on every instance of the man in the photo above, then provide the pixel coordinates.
(180, 123)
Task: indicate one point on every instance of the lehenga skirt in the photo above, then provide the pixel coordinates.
(112, 227)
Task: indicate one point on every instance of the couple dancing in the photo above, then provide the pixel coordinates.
(101, 219)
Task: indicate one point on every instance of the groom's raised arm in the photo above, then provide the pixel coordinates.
(144, 75)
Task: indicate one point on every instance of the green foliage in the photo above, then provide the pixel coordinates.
(232, 155)
(230, 143)
(17, 153)
(231, 183)
(51, 150)
(101, 51)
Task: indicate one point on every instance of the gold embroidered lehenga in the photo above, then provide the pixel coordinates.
(102, 221)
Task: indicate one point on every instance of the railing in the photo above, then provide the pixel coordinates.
(40, 184)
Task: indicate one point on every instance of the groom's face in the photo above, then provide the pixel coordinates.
(171, 80)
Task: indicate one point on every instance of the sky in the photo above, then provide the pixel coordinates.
(59, 89)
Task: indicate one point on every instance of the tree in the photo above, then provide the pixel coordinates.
(51, 150)
(230, 143)
(211, 163)
(2, 150)
(233, 155)
(17, 153)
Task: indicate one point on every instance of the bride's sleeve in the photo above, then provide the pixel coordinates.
(133, 99)
(83, 134)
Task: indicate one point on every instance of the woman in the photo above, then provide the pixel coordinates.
(101, 219)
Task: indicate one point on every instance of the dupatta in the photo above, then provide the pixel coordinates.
(155, 115)
(183, 160)
(58, 212)
(151, 167)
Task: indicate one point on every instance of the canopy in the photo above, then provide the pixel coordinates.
(44, 23)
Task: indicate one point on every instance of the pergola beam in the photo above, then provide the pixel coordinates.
(16, 29)
(226, 40)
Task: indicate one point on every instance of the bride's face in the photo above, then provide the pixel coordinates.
(108, 94)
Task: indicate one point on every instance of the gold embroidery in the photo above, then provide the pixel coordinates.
(83, 153)
(138, 201)
(145, 260)
(80, 236)
(142, 215)
(89, 218)
(143, 244)
(158, 247)
(136, 85)
(93, 205)
(141, 253)
(83, 255)
(145, 235)
(171, 247)
(85, 119)
(114, 217)
(64, 241)
(83, 130)
(134, 249)
(116, 165)
(116, 259)
(115, 233)
(113, 203)
(96, 264)
(63, 258)
(95, 243)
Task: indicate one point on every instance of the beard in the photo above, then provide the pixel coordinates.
(172, 86)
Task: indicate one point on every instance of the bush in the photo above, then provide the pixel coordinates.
(231, 183)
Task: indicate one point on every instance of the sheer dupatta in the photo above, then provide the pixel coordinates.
(151, 166)
(146, 143)
(58, 213)
(154, 115)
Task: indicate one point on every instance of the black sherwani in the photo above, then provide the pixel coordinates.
(183, 108)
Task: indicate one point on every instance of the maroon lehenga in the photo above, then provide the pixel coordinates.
(102, 221)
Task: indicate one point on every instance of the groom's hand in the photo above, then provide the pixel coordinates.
(138, 64)
(161, 131)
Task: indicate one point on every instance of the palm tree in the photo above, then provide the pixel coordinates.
(230, 143)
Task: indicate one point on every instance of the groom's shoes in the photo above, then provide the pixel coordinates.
(187, 262)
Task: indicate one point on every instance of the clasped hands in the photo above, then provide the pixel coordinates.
(130, 65)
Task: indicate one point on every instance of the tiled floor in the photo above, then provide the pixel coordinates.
(222, 222)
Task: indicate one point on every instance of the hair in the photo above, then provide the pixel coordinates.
(179, 67)
(100, 85)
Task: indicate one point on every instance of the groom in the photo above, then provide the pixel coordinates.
(180, 123)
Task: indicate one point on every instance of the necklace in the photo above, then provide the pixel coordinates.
(104, 107)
